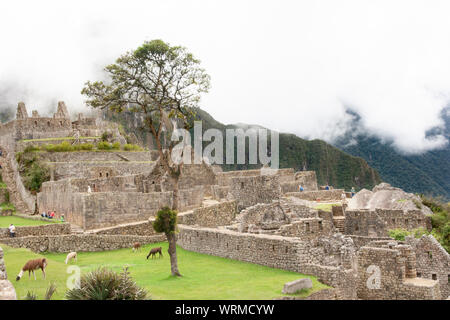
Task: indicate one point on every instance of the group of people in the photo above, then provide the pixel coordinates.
(51, 215)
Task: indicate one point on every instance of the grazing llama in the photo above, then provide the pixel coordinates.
(136, 246)
(32, 265)
(154, 251)
(70, 256)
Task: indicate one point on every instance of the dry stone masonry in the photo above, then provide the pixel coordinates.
(260, 216)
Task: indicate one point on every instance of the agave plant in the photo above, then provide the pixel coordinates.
(105, 284)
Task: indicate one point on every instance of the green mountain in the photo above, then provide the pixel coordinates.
(427, 173)
(332, 165)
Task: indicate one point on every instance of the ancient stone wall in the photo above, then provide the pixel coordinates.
(219, 192)
(384, 275)
(79, 242)
(66, 170)
(210, 216)
(220, 214)
(307, 179)
(319, 195)
(361, 241)
(248, 191)
(269, 250)
(98, 156)
(103, 209)
(225, 178)
(106, 184)
(307, 229)
(377, 223)
(53, 229)
(432, 261)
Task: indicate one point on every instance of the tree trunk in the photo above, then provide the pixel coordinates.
(171, 238)
(175, 202)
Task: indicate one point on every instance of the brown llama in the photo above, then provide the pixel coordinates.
(136, 246)
(32, 265)
(154, 251)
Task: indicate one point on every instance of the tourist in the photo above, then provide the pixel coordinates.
(327, 187)
(12, 230)
(300, 188)
(62, 218)
(353, 191)
(44, 215)
(89, 189)
(52, 215)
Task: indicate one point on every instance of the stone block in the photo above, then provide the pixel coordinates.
(297, 285)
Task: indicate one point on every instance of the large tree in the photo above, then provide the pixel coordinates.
(161, 83)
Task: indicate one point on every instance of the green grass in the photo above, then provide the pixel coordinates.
(2, 185)
(58, 139)
(20, 222)
(204, 276)
(325, 206)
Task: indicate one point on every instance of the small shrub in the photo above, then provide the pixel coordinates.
(399, 234)
(104, 136)
(31, 295)
(131, 147)
(31, 148)
(64, 146)
(105, 284)
(116, 146)
(103, 145)
(50, 291)
(32, 170)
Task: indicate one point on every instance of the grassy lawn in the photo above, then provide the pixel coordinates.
(325, 206)
(20, 222)
(204, 276)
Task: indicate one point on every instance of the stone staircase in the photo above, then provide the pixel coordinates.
(74, 229)
(339, 223)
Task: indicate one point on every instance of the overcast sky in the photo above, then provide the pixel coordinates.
(293, 66)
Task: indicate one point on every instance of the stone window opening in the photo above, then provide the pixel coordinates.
(35, 123)
(61, 123)
(406, 221)
(287, 249)
(430, 254)
(356, 227)
(100, 174)
(237, 247)
(273, 247)
(320, 226)
(434, 276)
(393, 220)
(107, 174)
(419, 275)
(448, 278)
(242, 185)
(307, 227)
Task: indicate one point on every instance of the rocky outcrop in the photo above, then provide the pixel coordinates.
(384, 196)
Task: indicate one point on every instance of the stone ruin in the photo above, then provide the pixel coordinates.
(112, 197)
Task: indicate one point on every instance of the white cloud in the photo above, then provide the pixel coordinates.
(288, 65)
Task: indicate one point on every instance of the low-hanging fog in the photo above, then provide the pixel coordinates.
(293, 66)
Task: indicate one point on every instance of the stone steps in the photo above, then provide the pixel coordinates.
(339, 223)
(74, 229)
